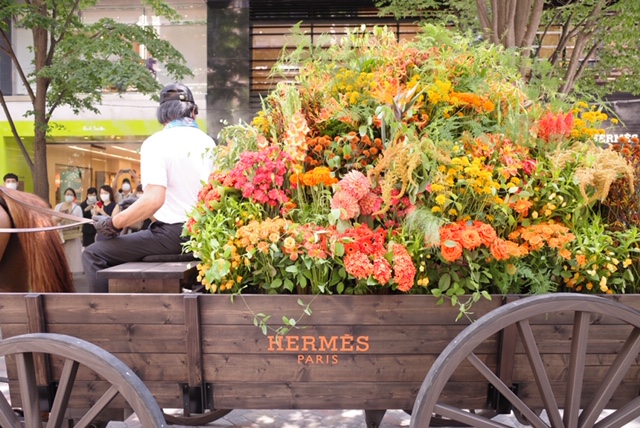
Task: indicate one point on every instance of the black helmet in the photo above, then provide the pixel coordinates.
(176, 91)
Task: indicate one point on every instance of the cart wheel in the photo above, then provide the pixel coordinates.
(75, 352)
(197, 419)
(519, 313)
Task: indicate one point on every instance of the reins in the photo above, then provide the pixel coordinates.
(47, 211)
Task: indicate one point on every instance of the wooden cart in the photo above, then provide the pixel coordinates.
(203, 353)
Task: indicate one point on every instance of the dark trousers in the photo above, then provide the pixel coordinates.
(160, 238)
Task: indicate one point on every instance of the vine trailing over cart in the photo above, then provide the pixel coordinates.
(423, 166)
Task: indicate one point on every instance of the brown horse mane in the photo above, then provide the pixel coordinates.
(45, 260)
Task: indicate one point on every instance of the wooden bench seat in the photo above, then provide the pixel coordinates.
(150, 277)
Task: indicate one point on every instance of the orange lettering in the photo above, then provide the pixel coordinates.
(347, 342)
(275, 341)
(328, 345)
(308, 343)
(334, 359)
(292, 343)
(300, 358)
(363, 344)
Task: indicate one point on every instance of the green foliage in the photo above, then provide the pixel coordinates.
(604, 31)
(73, 61)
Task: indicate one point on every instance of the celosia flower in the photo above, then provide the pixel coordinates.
(555, 126)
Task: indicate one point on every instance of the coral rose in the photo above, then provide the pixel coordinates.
(451, 250)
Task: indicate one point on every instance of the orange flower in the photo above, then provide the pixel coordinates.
(470, 239)
(451, 250)
(522, 207)
(486, 232)
(500, 249)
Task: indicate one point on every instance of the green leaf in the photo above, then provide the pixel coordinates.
(444, 282)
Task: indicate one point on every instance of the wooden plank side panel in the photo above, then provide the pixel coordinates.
(627, 391)
(105, 308)
(317, 368)
(86, 393)
(338, 310)
(338, 395)
(557, 365)
(148, 367)
(12, 308)
(382, 339)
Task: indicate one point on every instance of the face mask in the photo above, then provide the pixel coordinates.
(92, 199)
(104, 197)
(126, 186)
(12, 185)
(68, 198)
(138, 195)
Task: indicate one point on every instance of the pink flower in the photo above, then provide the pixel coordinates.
(347, 205)
(355, 184)
(370, 204)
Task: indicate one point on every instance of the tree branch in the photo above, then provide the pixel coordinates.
(55, 104)
(585, 61)
(533, 24)
(12, 54)
(485, 21)
(14, 131)
(544, 34)
(562, 42)
(520, 21)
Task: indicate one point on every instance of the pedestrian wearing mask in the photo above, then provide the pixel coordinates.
(105, 206)
(10, 181)
(71, 236)
(125, 191)
(88, 230)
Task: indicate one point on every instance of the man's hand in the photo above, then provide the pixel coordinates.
(126, 203)
(104, 226)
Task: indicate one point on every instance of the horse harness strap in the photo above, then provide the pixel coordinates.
(47, 211)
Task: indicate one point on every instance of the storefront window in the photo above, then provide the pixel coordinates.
(80, 165)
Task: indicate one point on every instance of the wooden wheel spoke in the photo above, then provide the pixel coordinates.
(622, 416)
(531, 417)
(466, 417)
(7, 416)
(576, 369)
(539, 373)
(28, 389)
(67, 378)
(614, 376)
(99, 406)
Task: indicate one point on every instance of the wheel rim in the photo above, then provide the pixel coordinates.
(75, 352)
(519, 313)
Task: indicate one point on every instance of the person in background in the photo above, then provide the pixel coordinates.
(174, 165)
(125, 189)
(105, 205)
(72, 236)
(10, 181)
(88, 230)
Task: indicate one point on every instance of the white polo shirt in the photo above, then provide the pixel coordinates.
(177, 158)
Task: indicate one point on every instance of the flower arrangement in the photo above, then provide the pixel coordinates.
(417, 167)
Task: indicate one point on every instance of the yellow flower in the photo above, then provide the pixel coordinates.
(626, 263)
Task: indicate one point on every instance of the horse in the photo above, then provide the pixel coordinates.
(31, 260)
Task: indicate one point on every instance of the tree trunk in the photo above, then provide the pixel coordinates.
(41, 121)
